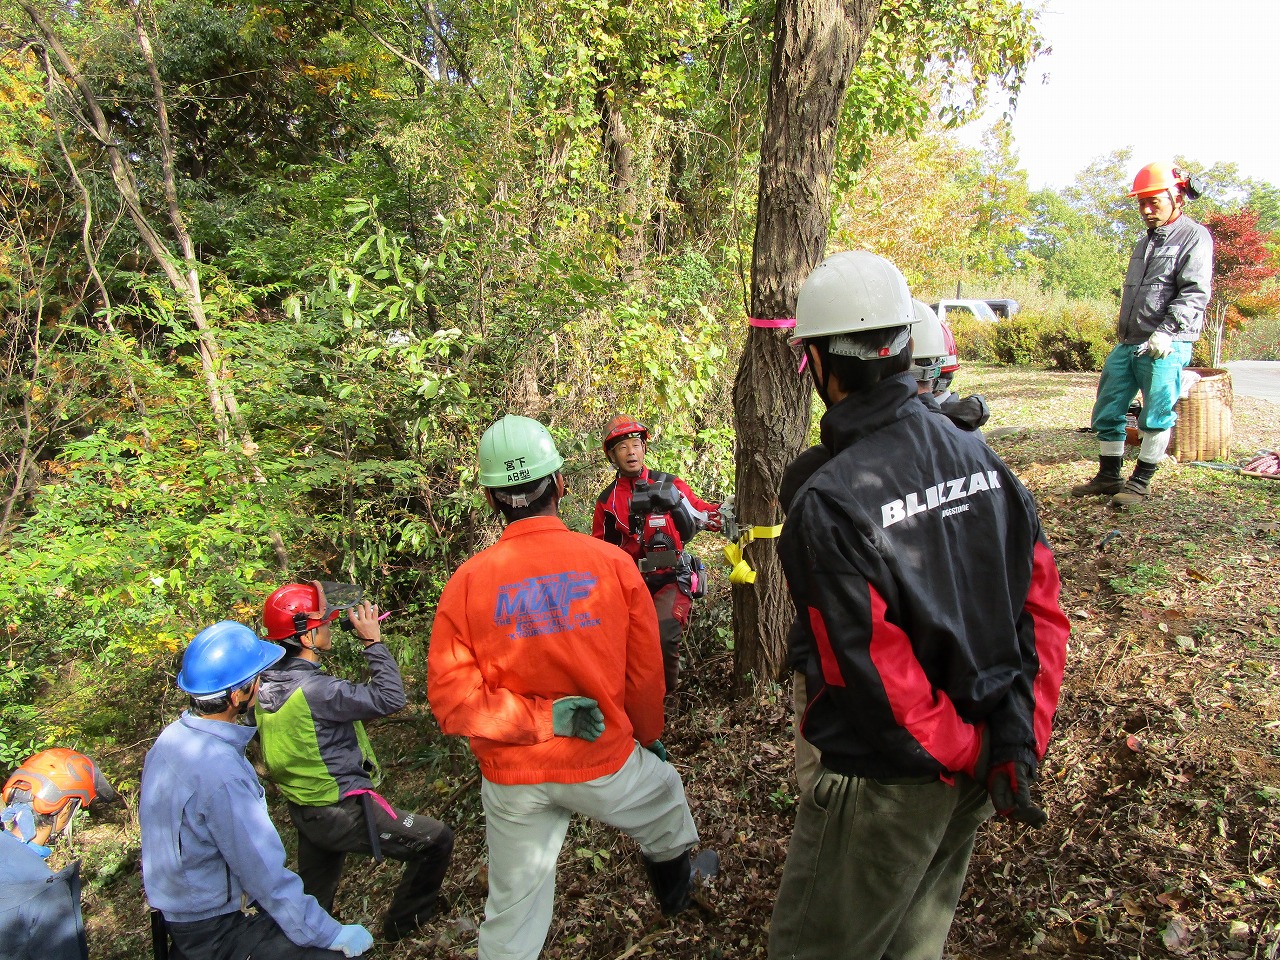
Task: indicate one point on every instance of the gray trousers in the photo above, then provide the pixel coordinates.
(874, 870)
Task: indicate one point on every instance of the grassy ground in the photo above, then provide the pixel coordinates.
(1162, 783)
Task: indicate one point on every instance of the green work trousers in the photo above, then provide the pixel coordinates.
(875, 870)
(525, 826)
(1125, 374)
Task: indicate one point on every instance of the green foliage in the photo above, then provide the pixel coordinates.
(1257, 340)
(1072, 337)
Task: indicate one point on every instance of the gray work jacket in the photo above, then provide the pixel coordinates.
(1168, 282)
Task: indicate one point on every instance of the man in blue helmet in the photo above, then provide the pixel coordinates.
(212, 861)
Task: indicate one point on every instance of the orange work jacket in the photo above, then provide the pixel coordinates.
(542, 614)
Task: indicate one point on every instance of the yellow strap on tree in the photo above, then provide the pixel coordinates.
(733, 552)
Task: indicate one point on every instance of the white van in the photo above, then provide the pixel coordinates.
(952, 310)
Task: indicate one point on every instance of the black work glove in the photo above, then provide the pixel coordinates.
(1009, 785)
(579, 717)
(982, 765)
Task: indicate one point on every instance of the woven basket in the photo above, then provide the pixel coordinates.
(1203, 430)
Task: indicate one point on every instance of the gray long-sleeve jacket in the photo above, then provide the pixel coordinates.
(1168, 282)
(207, 838)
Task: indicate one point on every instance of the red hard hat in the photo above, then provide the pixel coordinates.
(1156, 178)
(952, 363)
(52, 778)
(620, 427)
(286, 612)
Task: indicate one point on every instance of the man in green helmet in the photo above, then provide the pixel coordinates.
(545, 654)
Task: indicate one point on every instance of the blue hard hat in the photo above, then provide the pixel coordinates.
(224, 657)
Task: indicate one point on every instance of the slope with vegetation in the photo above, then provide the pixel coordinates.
(266, 272)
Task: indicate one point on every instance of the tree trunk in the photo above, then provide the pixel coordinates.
(816, 45)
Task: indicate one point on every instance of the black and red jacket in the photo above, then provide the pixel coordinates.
(612, 520)
(926, 593)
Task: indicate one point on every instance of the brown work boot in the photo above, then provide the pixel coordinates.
(1137, 488)
(1101, 485)
(1132, 493)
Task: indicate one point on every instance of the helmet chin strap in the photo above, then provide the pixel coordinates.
(820, 385)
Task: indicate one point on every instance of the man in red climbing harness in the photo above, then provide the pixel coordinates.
(652, 515)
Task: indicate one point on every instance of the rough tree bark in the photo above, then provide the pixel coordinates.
(816, 45)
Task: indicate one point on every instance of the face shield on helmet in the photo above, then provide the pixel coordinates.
(51, 779)
(291, 610)
(52, 785)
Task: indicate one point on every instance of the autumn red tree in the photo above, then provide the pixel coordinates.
(1241, 263)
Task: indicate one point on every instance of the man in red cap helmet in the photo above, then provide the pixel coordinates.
(654, 528)
(40, 909)
(317, 752)
(1166, 291)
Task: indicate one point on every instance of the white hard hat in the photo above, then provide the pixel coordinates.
(930, 342)
(852, 292)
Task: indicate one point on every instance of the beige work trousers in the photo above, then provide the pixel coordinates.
(525, 827)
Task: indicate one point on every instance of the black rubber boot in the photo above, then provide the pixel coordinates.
(672, 880)
(1108, 481)
(1137, 487)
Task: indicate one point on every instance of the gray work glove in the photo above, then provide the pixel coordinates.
(353, 940)
(579, 717)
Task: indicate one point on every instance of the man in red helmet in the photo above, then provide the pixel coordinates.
(40, 909)
(1166, 291)
(316, 751)
(655, 538)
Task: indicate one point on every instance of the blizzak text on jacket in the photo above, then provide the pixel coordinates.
(309, 721)
(207, 839)
(927, 597)
(542, 614)
(1168, 283)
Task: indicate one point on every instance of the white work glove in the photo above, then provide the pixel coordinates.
(1158, 345)
(353, 940)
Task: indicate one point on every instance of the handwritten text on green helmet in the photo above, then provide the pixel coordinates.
(515, 451)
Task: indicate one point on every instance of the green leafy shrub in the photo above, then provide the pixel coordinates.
(1072, 336)
(1259, 339)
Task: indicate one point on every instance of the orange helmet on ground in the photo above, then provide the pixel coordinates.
(52, 778)
(286, 614)
(1156, 178)
(621, 427)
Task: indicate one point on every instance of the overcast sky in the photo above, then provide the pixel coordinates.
(1173, 77)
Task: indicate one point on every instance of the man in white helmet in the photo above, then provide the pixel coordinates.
(930, 355)
(929, 630)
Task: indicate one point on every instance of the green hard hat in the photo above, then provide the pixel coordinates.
(515, 451)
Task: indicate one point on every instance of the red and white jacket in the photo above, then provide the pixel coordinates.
(612, 520)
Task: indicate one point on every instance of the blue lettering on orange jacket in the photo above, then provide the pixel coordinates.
(541, 605)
